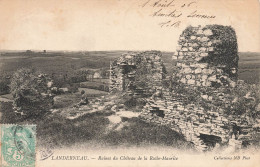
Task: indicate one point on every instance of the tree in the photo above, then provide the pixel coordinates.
(4, 88)
(31, 93)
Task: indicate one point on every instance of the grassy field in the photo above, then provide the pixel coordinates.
(66, 100)
(93, 92)
(58, 132)
(7, 96)
(249, 67)
(58, 62)
(99, 85)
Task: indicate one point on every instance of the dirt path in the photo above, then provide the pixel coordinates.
(2, 99)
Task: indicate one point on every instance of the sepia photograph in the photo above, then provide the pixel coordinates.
(129, 83)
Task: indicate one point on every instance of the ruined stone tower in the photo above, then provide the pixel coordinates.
(207, 56)
(138, 73)
(200, 104)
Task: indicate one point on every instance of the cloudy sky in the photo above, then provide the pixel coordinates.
(119, 24)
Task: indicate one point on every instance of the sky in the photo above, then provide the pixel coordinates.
(119, 24)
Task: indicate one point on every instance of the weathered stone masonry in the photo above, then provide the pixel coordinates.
(138, 73)
(207, 56)
(196, 104)
(207, 62)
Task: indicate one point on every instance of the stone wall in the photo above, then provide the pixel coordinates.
(138, 73)
(207, 56)
(200, 103)
(194, 122)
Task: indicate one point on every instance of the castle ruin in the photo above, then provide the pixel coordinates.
(200, 102)
(138, 73)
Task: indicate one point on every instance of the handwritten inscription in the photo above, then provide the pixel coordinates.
(171, 12)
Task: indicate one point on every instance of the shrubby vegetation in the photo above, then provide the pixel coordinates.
(242, 100)
(4, 88)
(247, 98)
(31, 93)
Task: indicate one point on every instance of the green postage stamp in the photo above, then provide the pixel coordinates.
(18, 145)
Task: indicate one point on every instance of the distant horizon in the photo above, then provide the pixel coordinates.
(16, 50)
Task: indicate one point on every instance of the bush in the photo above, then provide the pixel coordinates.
(73, 88)
(106, 89)
(101, 87)
(4, 88)
(242, 100)
(31, 94)
(248, 97)
(82, 92)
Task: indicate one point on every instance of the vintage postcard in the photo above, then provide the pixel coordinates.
(130, 83)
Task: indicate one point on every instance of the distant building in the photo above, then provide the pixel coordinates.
(97, 75)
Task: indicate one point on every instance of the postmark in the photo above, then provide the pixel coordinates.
(45, 153)
(18, 145)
